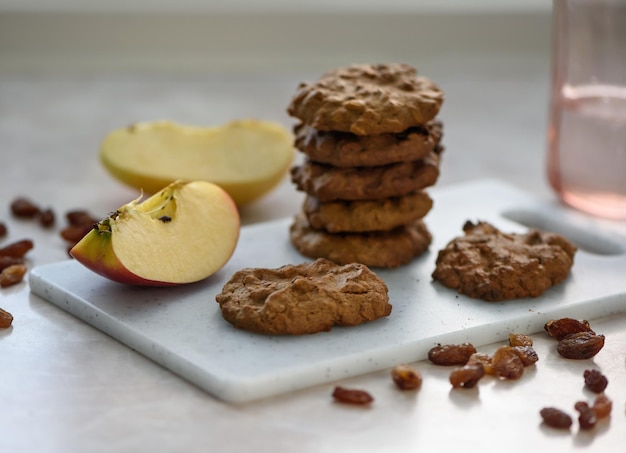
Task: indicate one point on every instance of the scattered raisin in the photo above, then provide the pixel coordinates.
(165, 219)
(555, 418)
(3, 230)
(80, 217)
(6, 261)
(406, 378)
(507, 364)
(595, 381)
(75, 233)
(12, 275)
(467, 376)
(483, 358)
(352, 396)
(519, 339)
(451, 354)
(24, 208)
(581, 345)
(46, 218)
(587, 418)
(17, 249)
(6, 319)
(560, 328)
(80, 222)
(602, 406)
(526, 354)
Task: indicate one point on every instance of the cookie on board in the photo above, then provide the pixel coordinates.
(304, 298)
(491, 265)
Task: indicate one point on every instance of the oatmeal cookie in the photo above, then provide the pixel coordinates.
(367, 215)
(377, 249)
(328, 183)
(304, 298)
(343, 149)
(491, 265)
(367, 99)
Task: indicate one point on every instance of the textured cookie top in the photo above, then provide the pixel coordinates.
(491, 265)
(304, 298)
(367, 99)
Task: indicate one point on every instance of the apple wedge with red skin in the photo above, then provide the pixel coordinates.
(182, 234)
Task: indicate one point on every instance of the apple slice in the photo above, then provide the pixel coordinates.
(182, 234)
(247, 158)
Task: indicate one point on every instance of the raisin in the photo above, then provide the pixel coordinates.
(483, 358)
(560, 328)
(3, 230)
(352, 396)
(75, 233)
(587, 418)
(555, 418)
(451, 354)
(595, 381)
(24, 208)
(507, 364)
(80, 217)
(17, 249)
(6, 261)
(406, 378)
(526, 354)
(6, 319)
(12, 275)
(80, 223)
(467, 376)
(46, 218)
(602, 406)
(581, 345)
(519, 339)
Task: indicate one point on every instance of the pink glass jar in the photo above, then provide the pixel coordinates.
(587, 130)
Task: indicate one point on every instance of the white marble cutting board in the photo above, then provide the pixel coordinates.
(181, 328)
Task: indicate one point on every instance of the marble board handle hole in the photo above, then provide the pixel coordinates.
(584, 236)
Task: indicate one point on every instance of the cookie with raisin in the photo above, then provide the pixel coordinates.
(387, 249)
(328, 183)
(304, 298)
(367, 99)
(486, 263)
(367, 215)
(343, 149)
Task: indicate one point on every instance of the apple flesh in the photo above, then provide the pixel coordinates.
(182, 234)
(247, 158)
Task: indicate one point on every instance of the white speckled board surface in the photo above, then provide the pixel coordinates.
(181, 328)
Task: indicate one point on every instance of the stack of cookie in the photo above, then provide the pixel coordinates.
(372, 146)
